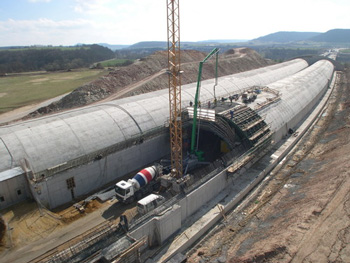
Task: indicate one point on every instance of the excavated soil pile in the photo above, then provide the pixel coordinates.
(149, 74)
(72, 214)
(302, 214)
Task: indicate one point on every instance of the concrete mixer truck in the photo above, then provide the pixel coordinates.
(142, 184)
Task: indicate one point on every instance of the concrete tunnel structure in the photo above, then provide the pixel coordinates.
(57, 158)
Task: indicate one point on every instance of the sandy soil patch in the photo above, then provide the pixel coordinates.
(28, 223)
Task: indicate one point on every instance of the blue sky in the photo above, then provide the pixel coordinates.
(68, 22)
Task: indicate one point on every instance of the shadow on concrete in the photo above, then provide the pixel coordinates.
(116, 210)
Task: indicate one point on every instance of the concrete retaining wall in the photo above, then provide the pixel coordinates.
(202, 195)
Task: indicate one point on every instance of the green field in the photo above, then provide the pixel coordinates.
(25, 89)
(116, 62)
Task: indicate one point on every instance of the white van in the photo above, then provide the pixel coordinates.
(149, 203)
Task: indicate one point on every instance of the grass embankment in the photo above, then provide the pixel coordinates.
(26, 89)
(117, 62)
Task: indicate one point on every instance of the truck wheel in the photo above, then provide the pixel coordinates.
(131, 199)
(138, 196)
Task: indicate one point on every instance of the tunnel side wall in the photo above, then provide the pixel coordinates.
(54, 190)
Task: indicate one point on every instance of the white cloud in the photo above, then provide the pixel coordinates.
(254, 18)
(126, 21)
(44, 31)
(42, 23)
(92, 7)
(130, 21)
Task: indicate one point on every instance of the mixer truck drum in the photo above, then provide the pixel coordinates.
(144, 176)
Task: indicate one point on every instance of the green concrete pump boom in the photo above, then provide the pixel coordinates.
(213, 52)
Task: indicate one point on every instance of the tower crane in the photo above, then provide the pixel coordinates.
(174, 73)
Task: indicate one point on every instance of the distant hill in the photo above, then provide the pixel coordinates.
(113, 47)
(221, 41)
(149, 44)
(185, 44)
(333, 36)
(287, 36)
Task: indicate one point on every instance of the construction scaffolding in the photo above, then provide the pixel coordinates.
(250, 123)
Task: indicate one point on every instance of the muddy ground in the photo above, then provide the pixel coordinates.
(302, 214)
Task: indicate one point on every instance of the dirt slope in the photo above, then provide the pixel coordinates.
(149, 74)
(303, 213)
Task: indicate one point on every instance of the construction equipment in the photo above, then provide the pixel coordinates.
(175, 122)
(149, 203)
(142, 184)
(174, 72)
(215, 51)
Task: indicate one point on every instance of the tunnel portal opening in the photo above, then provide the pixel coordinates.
(211, 144)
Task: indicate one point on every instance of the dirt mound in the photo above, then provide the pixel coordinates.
(148, 74)
(263, 257)
(71, 213)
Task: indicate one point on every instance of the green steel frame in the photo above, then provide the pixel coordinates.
(215, 51)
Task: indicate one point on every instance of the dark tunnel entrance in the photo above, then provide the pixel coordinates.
(212, 146)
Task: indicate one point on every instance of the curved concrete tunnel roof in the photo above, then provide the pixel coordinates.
(299, 94)
(52, 140)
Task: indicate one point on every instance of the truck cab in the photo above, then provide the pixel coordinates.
(124, 191)
(149, 203)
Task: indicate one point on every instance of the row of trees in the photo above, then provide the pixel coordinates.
(64, 58)
(283, 54)
(52, 59)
